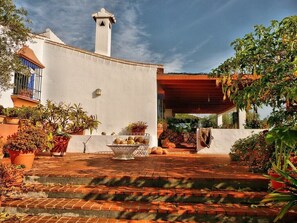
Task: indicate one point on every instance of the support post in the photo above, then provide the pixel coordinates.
(219, 120)
(241, 118)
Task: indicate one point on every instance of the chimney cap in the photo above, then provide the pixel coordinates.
(103, 14)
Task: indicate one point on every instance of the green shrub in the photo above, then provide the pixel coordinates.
(254, 152)
(183, 125)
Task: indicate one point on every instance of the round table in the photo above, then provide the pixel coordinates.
(123, 151)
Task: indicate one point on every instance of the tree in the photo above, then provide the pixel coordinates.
(13, 35)
(264, 70)
(252, 120)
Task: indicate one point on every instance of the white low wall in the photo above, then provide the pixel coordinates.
(223, 139)
(93, 143)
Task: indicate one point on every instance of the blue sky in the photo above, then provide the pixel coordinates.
(190, 36)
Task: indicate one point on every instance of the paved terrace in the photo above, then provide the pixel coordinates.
(164, 166)
(159, 188)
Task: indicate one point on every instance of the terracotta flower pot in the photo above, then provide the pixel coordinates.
(19, 158)
(60, 145)
(12, 120)
(2, 117)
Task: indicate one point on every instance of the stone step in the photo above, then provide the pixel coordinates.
(221, 183)
(141, 210)
(145, 194)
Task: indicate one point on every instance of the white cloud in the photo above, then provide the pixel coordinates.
(177, 62)
(213, 61)
(130, 40)
(219, 6)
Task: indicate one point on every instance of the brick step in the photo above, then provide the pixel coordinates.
(146, 194)
(141, 210)
(68, 219)
(221, 183)
(182, 151)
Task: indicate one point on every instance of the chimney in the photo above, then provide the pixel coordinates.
(104, 21)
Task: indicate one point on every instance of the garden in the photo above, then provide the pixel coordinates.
(264, 72)
(44, 129)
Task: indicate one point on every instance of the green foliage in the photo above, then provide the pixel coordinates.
(1, 110)
(65, 118)
(25, 112)
(285, 142)
(79, 120)
(185, 116)
(263, 69)
(288, 196)
(254, 152)
(253, 121)
(208, 121)
(14, 35)
(11, 112)
(59, 118)
(183, 125)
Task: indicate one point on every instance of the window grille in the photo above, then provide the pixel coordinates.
(28, 86)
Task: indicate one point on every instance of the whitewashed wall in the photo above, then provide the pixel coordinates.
(129, 90)
(94, 143)
(5, 99)
(223, 139)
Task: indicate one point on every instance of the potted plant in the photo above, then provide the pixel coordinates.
(64, 119)
(23, 145)
(138, 128)
(79, 121)
(284, 140)
(25, 114)
(2, 116)
(26, 92)
(288, 196)
(60, 143)
(11, 115)
(55, 118)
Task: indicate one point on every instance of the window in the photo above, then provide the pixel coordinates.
(28, 86)
(102, 24)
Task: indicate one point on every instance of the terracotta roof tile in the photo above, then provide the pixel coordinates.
(28, 54)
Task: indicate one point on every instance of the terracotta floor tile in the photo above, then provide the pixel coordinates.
(190, 166)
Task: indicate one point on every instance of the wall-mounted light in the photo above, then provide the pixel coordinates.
(98, 92)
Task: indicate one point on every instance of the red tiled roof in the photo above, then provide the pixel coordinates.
(29, 55)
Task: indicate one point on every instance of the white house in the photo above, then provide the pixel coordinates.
(117, 91)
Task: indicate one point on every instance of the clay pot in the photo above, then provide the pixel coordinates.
(2, 117)
(12, 121)
(19, 158)
(60, 145)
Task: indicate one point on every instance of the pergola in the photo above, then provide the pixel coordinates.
(184, 93)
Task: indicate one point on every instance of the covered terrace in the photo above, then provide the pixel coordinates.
(195, 94)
